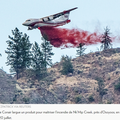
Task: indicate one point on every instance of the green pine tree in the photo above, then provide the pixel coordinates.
(47, 52)
(25, 51)
(67, 66)
(18, 51)
(81, 49)
(37, 61)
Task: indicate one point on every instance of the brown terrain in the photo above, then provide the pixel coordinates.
(81, 87)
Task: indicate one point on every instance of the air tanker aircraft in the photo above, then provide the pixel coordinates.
(55, 20)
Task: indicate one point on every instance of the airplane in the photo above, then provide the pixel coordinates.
(55, 20)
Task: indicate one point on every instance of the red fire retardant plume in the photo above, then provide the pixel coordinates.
(69, 37)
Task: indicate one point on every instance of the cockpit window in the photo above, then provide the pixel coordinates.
(57, 15)
(43, 20)
(27, 20)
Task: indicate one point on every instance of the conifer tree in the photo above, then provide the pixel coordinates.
(18, 51)
(67, 66)
(106, 40)
(47, 52)
(81, 49)
(37, 61)
(25, 51)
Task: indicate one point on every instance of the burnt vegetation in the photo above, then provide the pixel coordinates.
(106, 40)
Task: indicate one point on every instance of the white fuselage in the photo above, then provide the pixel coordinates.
(50, 21)
(55, 20)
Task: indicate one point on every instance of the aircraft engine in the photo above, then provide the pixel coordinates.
(30, 28)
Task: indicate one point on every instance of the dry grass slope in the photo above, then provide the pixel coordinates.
(81, 87)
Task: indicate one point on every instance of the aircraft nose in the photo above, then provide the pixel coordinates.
(24, 24)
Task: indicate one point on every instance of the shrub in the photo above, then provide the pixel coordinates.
(90, 98)
(26, 100)
(117, 86)
(99, 58)
(101, 87)
(14, 99)
(78, 98)
(117, 72)
(80, 71)
(109, 102)
(67, 66)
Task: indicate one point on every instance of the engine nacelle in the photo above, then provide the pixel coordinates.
(30, 28)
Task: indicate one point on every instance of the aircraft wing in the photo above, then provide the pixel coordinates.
(66, 11)
(52, 17)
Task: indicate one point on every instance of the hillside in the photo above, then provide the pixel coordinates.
(81, 87)
(7, 88)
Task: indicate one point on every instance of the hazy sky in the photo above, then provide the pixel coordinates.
(91, 15)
